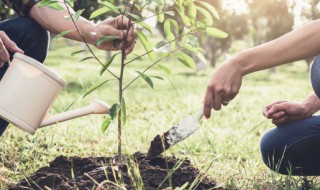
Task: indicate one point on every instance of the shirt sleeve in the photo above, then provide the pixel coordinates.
(22, 7)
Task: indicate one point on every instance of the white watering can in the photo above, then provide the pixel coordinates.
(27, 91)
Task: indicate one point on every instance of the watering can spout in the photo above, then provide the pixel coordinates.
(95, 107)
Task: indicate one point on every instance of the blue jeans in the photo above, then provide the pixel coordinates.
(294, 148)
(30, 37)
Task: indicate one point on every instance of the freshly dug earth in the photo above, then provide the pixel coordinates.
(102, 173)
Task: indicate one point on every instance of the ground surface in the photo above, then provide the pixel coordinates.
(85, 173)
(226, 146)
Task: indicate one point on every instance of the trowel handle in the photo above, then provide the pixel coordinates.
(199, 114)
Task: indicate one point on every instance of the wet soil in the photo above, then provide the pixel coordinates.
(65, 173)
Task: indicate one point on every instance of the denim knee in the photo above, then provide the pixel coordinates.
(273, 151)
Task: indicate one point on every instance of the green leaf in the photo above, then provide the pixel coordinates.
(113, 111)
(145, 26)
(215, 32)
(171, 13)
(192, 10)
(86, 58)
(135, 17)
(167, 27)
(175, 25)
(99, 12)
(186, 60)
(157, 77)
(110, 6)
(210, 8)
(146, 44)
(184, 186)
(105, 124)
(184, 18)
(52, 4)
(160, 15)
(77, 52)
(201, 58)
(108, 63)
(78, 14)
(94, 88)
(106, 39)
(165, 69)
(146, 78)
(207, 16)
(123, 112)
(63, 33)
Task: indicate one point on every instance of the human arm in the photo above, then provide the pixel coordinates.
(55, 22)
(283, 111)
(226, 80)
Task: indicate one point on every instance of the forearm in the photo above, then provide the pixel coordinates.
(311, 104)
(55, 22)
(296, 45)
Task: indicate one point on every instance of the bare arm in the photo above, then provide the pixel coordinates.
(299, 44)
(226, 80)
(55, 22)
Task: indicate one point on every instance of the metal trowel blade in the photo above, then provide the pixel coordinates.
(175, 134)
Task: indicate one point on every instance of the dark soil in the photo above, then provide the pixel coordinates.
(92, 173)
(158, 145)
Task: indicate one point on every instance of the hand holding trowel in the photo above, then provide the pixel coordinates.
(176, 134)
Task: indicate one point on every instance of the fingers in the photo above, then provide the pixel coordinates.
(274, 103)
(208, 102)
(5, 45)
(280, 120)
(4, 55)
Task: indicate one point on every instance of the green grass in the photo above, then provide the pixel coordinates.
(229, 140)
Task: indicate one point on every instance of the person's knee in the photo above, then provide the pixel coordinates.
(273, 151)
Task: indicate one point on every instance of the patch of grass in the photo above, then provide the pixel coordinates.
(228, 142)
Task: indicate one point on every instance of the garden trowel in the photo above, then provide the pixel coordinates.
(176, 134)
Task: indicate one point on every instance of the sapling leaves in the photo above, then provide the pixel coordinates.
(146, 44)
(87, 58)
(192, 10)
(215, 32)
(210, 8)
(106, 39)
(63, 33)
(101, 11)
(186, 60)
(78, 14)
(113, 111)
(135, 17)
(123, 112)
(145, 26)
(184, 18)
(105, 124)
(52, 4)
(77, 52)
(146, 78)
(165, 69)
(95, 88)
(108, 63)
(110, 6)
(207, 17)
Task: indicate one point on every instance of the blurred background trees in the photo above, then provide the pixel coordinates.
(248, 22)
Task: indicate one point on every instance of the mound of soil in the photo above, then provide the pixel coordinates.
(102, 173)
